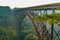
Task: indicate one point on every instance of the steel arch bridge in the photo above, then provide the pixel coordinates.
(38, 10)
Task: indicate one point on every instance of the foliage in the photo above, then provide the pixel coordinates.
(31, 37)
(7, 34)
(55, 17)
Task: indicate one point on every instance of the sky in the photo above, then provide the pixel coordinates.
(25, 3)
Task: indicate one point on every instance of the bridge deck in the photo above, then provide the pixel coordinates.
(44, 7)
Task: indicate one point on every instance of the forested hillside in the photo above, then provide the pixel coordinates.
(10, 30)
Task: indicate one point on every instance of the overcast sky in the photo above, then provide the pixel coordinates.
(25, 3)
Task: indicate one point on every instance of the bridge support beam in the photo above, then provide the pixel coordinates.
(52, 26)
(42, 28)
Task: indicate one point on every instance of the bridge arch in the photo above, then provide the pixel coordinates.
(21, 15)
(31, 15)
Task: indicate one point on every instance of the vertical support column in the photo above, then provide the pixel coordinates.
(52, 26)
(44, 26)
(40, 12)
(45, 13)
(46, 33)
